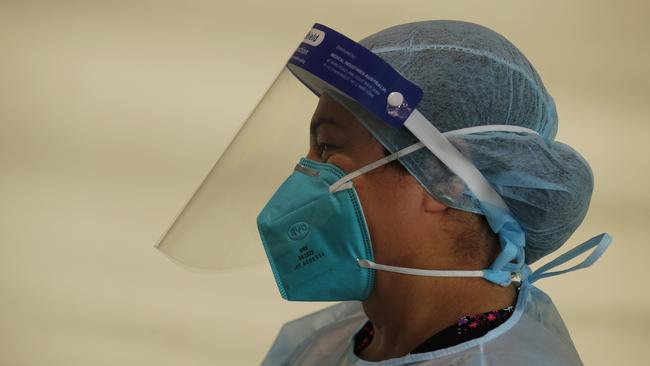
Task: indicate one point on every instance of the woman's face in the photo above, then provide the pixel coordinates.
(393, 202)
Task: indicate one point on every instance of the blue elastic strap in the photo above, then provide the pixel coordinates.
(511, 259)
(600, 243)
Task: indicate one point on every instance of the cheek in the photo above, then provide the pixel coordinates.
(391, 212)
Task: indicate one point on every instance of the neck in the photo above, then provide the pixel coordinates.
(407, 310)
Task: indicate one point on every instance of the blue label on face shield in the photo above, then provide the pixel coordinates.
(327, 60)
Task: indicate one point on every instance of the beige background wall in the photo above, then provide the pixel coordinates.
(111, 112)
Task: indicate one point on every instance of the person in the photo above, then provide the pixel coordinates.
(442, 224)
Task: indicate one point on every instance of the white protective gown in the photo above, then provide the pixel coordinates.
(533, 335)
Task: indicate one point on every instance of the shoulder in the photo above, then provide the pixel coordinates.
(541, 332)
(331, 325)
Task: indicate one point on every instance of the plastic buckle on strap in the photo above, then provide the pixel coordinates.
(599, 243)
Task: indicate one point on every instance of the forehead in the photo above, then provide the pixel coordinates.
(332, 114)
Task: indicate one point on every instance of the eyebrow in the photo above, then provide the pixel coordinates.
(317, 122)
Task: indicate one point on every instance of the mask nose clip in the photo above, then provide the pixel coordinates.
(306, 171)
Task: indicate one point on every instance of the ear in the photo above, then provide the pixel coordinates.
(432, 205)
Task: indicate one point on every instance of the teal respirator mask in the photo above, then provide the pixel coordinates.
(313, 230)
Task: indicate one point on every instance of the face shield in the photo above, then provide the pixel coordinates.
(216, 229)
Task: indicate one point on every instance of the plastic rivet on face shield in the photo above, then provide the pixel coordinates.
(503, 164)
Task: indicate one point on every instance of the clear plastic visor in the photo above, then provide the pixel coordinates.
(217, 227)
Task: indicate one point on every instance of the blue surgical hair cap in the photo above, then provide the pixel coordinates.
(473, 76)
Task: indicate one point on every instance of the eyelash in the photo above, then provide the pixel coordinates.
(324, 147)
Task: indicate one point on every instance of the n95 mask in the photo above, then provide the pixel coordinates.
(314, 238)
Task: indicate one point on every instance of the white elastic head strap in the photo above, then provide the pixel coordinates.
(364, 263)
(597, 244)
(346, 181)
(435, 141)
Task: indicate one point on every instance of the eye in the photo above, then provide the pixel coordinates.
(325, 147)
(325, 150)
